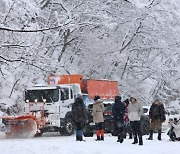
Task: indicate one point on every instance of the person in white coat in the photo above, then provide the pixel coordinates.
(135, 111)
(174, 131)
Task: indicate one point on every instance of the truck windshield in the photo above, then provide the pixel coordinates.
(51, 95)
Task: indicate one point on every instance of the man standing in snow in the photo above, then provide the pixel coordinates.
(118, 111)
(135, 111)
(79, 116)
(98, 119)
(157, 117)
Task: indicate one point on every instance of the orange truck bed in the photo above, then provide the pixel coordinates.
(106, 89)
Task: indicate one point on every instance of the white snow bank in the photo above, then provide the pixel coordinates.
(68, 145)
(140, 3)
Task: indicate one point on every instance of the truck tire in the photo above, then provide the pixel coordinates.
(68, 128)
(39, 134)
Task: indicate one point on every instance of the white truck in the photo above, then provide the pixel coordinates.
(58, 101)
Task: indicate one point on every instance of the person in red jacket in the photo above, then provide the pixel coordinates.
(127, 124)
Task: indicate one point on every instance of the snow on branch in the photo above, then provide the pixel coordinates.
(124, 46)
(23, 61)
(32, 31)
(10, 60)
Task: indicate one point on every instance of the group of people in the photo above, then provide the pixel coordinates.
(127, 113)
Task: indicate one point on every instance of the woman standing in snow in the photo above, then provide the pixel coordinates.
(98, 119)
(135, 111)
(79, 116)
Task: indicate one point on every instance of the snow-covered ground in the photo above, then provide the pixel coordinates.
(56, 144)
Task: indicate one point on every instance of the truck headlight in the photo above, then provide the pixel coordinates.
(44, 100)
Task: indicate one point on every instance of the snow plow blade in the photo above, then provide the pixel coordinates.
(20, 127)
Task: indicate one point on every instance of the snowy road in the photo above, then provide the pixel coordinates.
(67, 145)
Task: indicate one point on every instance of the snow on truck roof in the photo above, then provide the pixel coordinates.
(40, 87)
(104, 102)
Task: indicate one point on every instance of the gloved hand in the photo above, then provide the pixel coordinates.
(86, 122)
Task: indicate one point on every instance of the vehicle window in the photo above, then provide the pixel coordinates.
(51, 95)
(145, 110)
(64, 93)
(107, 107)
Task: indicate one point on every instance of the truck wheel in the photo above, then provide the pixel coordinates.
(39, 134)
(68, 128)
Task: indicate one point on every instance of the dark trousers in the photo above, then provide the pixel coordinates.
(119, 129)
(99, 126)
(172, 134)
(128, 130)
(136, 129)
(79, 129)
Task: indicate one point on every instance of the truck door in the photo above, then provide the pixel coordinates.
(66, 101)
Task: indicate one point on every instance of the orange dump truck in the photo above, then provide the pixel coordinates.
(106, 89)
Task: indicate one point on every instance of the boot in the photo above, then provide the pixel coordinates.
(150, 135)
(81, 138)
(140, 140)
(121, 140)
(130, 136)
(77, 138)
(102, 138)
(135, 140)
(121, 137)
(102, 134)
(159, 135)
(98, 133)
(98, 138)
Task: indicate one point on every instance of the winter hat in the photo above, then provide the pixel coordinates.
(117, 98)
(79, 95)
(156, 100)
(133, 96)
(96, 97)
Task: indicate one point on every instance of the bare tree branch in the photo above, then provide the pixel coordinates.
(13, 87)
(46, 2)
(32, 31)
(132, 38)
(15, 46)
(8, 13)
(10, 60)
(65, 44)
(124, 69)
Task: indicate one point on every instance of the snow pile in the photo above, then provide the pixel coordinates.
(141, 3)
(68, 145)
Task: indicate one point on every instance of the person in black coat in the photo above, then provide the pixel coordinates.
(118, 111)
(79, 116)
(157, 117)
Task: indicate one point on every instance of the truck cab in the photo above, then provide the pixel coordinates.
(57, 102)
